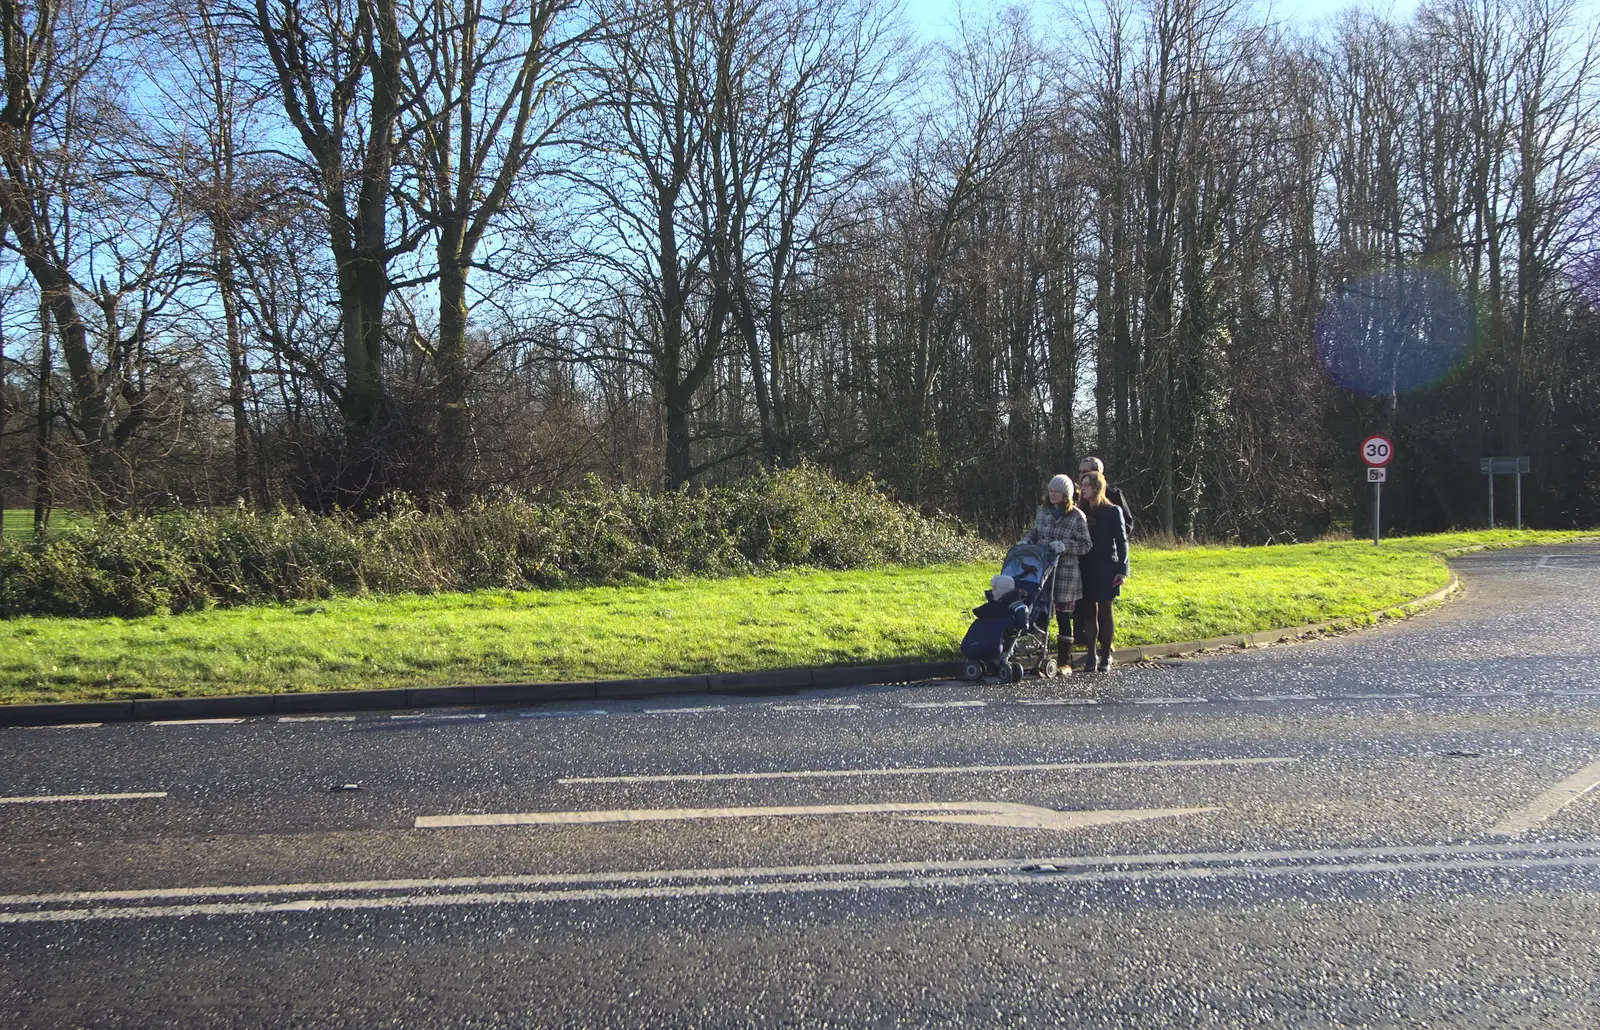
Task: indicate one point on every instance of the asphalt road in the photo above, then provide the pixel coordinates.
(1391, 828)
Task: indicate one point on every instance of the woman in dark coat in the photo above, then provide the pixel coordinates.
(1105, 567)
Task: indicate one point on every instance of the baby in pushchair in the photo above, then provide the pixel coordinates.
(1010, 635)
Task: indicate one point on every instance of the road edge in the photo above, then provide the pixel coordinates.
(63, 713)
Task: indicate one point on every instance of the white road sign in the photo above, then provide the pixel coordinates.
(1377, 450)
(1377, 475)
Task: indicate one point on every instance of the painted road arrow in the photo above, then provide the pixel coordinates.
(977, 813)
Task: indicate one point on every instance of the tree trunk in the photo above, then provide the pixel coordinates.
(455, 426)
(41, 453)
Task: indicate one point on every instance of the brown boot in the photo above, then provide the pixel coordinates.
(1063, 644)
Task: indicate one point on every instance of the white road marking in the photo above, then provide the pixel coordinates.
(40, 799)
(1063, 701)
(64, 726)
(1170, 700)
(1061, 872)
(562, 715)
(197, 722)
(1371, 697)
(1271, 697)
(1575, 693)
(686, 711)
(987, 813)
(820, 707)
(440, 716)
(945, 704)
(1549, 803)
(316, 718)
(934, 770)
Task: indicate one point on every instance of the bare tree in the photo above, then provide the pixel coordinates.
(337, 67)
(492, 88)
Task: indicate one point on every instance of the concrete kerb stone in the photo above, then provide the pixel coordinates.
(239, 706)
(653, 686)
(339, 701)
(64, 713)
(527, 693)
(777, 679)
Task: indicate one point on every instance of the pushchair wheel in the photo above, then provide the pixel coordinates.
(974, 671)
(1017, 672)
(1006, 670)
(1048, 668)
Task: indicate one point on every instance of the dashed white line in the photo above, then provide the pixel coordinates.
(316, 718)
(44, 799)
(1171, 700)
(440, 717)
(1271, 697)
(197, 722)
(1062, 701)
(935, 770)
(65, 726)
(945, 704)
(1374, 697)
(686, 711)
(820, 707)
(1549, 803)
(563, 715)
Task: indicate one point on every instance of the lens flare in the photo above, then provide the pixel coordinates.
(1394, 332)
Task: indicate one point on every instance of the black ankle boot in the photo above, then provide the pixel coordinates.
(1105, 660)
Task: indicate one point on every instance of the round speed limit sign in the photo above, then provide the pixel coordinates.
(1377, 450)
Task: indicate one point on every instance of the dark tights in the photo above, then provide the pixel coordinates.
(1096, 615)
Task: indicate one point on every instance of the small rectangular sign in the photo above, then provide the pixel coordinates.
(1504, 466)
(1377, 475)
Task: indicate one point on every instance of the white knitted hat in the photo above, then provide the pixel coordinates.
(1061, 484)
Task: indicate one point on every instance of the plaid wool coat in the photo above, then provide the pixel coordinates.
(1072, 529)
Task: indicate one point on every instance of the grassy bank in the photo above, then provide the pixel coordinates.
(797, 618)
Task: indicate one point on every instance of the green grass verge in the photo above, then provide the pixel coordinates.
(785, 620)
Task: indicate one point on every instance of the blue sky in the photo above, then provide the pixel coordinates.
(933, 16)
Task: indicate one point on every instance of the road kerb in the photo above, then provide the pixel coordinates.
(62, 713)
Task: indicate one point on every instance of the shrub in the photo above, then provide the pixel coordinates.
(185, 560)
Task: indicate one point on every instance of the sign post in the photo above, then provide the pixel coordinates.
(1377, 451)
(1516, 466)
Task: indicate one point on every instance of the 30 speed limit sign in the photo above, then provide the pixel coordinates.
(1377, 450)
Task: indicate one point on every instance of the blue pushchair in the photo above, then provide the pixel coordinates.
(1010, 635)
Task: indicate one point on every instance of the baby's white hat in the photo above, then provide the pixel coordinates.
(1002, 585)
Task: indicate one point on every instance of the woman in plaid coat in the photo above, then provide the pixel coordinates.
(1060, 526)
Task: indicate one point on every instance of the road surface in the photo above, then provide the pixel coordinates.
(1397, 827)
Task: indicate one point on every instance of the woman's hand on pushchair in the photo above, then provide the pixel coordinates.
(1057, 546)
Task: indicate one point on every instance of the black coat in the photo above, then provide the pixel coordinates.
(1108, 557)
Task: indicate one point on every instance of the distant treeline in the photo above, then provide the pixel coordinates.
(476, 249)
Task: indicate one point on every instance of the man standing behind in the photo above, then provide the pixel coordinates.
(1080, 613)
